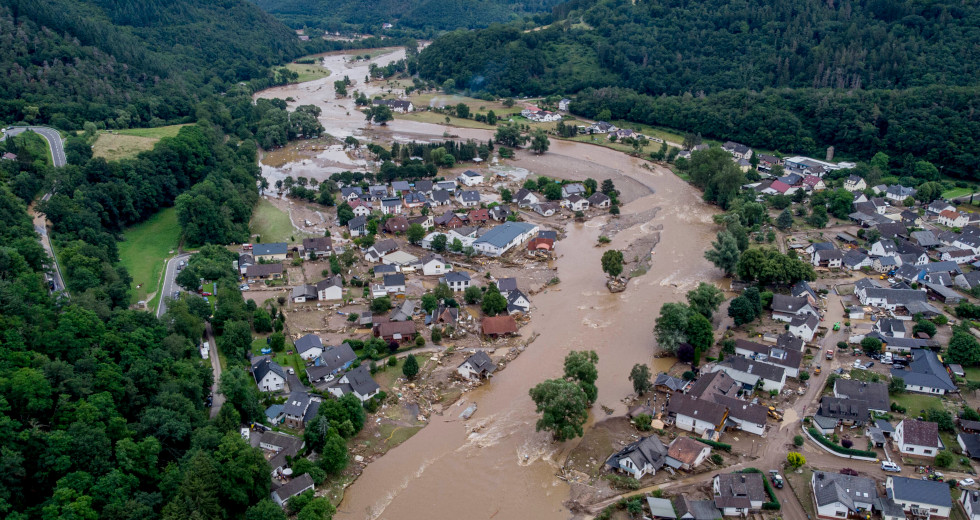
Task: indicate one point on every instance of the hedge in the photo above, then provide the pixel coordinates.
(713, 444)
(840, 449)
(773, 504)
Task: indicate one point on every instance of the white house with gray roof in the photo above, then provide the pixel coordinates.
(750, 372)
(925, 374)
(925, 499)
(269, 375)
(643, 457)
(476, 367)
(468, 198)
(358, 382)
(839, 496)
(785, 307)
(309, 347)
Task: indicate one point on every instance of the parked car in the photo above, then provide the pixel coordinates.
(848, 471)
(890, 466)
(967, 482)
(869, 365)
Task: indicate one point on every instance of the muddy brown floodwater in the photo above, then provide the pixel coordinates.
(495, 465)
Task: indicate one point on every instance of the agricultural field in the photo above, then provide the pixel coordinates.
(121, 144)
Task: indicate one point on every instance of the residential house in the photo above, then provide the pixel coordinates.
(813, 183)
(309, 347)
(477, 367)
(517, 302)
(575, 203)
(394, 283)
(898, 193)
(503, 237)
(470, 178)
(449, 185)
(399, 106)
(449, 220)
(380, 249)
(351, 194)
(244, 261)
(574, 188)
(785, 308)
(405, 311)
(264, 271)
(332, 361)
(361, 208)
(670, 384)
(426, 221)
(443, 315)
(831, 259)
(391, 206)
(331, 288)
(953, 218)
(841, 496)
(970, 501)
(746, 416)
(500, 213)
(400, 331)
(697, 415)
(423, 186)
(400, 187)
(564, 104)
(738, 150)
(919, 438)
(357, 226)
(456, 280)
(778, 187)
(804, 327)
(296, 409)
(714, 383)
(938, 206)
(601, 127)
(270, 252)
(970, 444)
(958, 256)
(891, 327)
(855, 183)
(874, 395)
(686, 453)
(358, 382)
(639, 458)
(623, 133)
(751, 373)
(599, 200)
(525, 198)
(396, 225)
(498, 326)
(802, 288)
(478, 216)
(303, 293)
(545, 209)
(434, 264)
(320, 246)
(919, 498)
(296, 486)
(856, 260)
(688, 509)
(925, 374)
(844, 411)
(788, 359)
(269, 375)
(738, 494)
(440, 198)
(468, 198)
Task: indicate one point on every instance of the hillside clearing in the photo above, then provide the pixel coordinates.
(144, 252)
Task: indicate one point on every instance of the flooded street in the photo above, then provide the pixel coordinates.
(495, 465)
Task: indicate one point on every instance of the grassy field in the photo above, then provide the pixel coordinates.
(272, 224)
(308, 72)
(956, 192)
(120, 144)
(440, 119)
(145, 249)
(916, 402)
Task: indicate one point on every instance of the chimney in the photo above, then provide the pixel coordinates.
(830, 153)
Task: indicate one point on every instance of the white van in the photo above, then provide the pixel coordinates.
(890, 466)
(887, 359)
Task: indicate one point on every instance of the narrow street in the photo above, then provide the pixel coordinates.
(218, 399)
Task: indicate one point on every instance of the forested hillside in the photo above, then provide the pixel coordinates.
(420, 18)
(860, 75)
(132, 63)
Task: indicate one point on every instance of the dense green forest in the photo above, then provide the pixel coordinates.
(794, 75)
(424, 18)
(133, 63)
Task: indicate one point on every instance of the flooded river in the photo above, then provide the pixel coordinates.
(495, 465)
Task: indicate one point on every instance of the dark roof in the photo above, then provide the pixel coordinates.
(272, 248)
(874, 394)
(809, 320)
(972, 443)
(697, 509)
(647, 450)
(702, 409)
(317, 244)
(359, 380)
(394, 280)
(673, 383)
(788, 304)
(921, 491)
(390, 328)
(296, 404)
(802, 287)
(714, 383)
(743, 410)
(920, 433)
(748, 485)
(294, 487)
(685, 449)
(357, 222)
(262, 365)
(384, 269)
(506, 284)
(790, 342)
(481, 362)
(925, 370)
(846, 489)
(457, 276)
(843, 409)
(469, 196)
(757, 368)
(772, 354)
(335, 357)
(307, 342)
(598, 198)
(892, 230)
(263, 269)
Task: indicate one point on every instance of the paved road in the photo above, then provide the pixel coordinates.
(169, 282)
(56, 145)
(50, 135)
(217, 399)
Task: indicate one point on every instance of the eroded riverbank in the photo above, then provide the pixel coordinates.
(495, 465)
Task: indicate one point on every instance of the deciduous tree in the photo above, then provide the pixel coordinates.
(563, 406)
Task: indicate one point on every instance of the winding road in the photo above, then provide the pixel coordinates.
(56, 145)
(169, 282)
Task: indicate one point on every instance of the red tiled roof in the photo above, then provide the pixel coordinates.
(499, 325)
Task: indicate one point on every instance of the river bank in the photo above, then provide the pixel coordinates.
(496, 465)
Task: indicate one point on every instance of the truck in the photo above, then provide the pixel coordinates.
(830, 354)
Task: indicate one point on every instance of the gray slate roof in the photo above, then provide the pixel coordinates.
(787, 304)
(307, 342)
(648, 450)
(697, 509)
(874, 394)
(394, 280)
(925, 370)
(272, 248)
(296, 404)
(262, 365)
(921, 491)
(846, 489)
